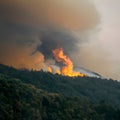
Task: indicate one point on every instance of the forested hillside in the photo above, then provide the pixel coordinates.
(21, 101)
(94, 89)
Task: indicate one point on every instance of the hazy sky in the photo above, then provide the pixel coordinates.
(87, 30)
(109, 35)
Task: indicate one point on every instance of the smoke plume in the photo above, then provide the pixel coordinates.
(29, 30)
(70, 14)
(52, 38)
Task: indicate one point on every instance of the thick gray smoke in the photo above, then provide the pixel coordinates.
(52, 38)
(24, 34)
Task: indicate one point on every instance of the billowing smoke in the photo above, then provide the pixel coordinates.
(25, 36)
(30, 29)
(24, 28)
(70, 14)
(52, 38)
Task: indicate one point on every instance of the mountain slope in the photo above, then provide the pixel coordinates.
(95, 89)
(20, 101)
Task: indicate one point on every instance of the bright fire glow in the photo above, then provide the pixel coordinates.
(67, 68)
(50, 69)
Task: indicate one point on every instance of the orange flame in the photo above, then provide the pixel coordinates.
(50, 69)
(67, 68)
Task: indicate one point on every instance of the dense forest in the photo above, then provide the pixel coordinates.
(38, 95)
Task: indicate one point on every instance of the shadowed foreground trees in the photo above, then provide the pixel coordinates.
(21, 101)
(94, 89)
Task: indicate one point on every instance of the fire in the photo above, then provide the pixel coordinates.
(50, 69)
(67, 68)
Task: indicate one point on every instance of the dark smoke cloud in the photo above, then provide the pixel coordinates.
(71, 14)
(24, 34)
(24, 31)
(52, 38)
